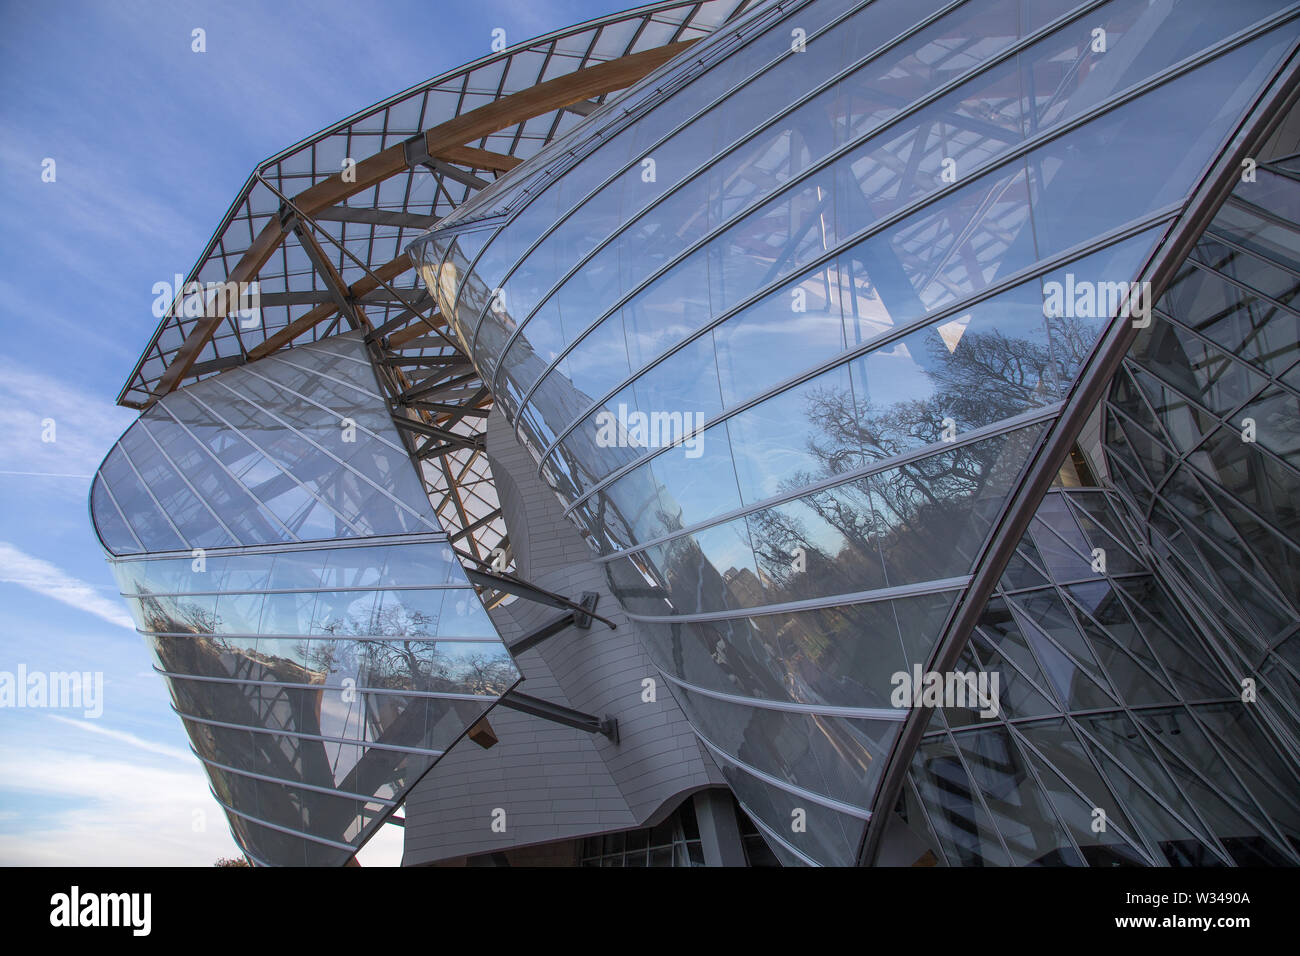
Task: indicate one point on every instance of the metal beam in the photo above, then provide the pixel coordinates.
(218, 364)
(301, 297)
(468, 529)
(439, 383)
(559, 714)
(411, 336)
(441, 434)
(430, 450)
(417, 154)
(583, 610)
(425, 361)
(307, 321)
(341, 294)
(405, 297)
(585, 108)
(401, 320)
(1087, 391)
(476, 158)
(475, 406)
(450, 388)
(580, 618)
(442, 408)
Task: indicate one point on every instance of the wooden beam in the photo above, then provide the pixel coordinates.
(245, 270)
(555, 94)
(314, 317)
(476, 158)
(415, 330)
(440, 140)
(374, 217)
(339, 290)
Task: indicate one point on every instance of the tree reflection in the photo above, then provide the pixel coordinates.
(921, 521)
(917, 521)
(409, 657)
(296, 687)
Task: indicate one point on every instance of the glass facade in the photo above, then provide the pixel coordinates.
(1203, 433)
(787, 327)
(320, 640)
(1121, 738)
(674, 842)
(1160, 697)
(300, 448)
(784, 344)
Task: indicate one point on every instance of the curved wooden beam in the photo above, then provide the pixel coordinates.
(444, 140)
(476, 158)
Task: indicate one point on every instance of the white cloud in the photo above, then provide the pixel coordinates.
(124, 814)
(127, 738)
(35, 574)
(85, 427)
(384, 848)
(96, 195)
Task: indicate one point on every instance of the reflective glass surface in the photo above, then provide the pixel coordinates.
(293, 448)
(787, 352)
(317, 634)
(346, 671)
(1203, 424)
(1112, 708)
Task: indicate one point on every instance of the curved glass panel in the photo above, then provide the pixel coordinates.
(319, 675)
(786, 361)
(299, 448)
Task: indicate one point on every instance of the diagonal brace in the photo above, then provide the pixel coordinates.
(582, 611)
(559, 714)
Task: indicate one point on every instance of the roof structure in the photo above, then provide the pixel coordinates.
(321, 226)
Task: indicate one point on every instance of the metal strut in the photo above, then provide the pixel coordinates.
(584, 608)
(558, 714)
(580, 617)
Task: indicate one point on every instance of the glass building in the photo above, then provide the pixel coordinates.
(792, 353)
(321, 643)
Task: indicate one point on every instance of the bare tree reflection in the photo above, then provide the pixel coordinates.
(291, 686)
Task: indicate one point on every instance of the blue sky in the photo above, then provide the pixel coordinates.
(151, 142)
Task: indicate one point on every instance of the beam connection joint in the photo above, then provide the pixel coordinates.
(580, 616)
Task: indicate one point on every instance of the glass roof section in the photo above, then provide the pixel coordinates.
(313, 244)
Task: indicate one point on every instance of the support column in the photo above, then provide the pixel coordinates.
(719, 831)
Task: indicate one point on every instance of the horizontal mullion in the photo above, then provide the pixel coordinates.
(1026, 146)
(811, 604)
(299, 735)
(1006, 426)
(1037, 270)
(365, 638)
(289, 685)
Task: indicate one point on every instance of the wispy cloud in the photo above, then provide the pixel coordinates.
(121, 813)
(35, 574)
(132, 205)
(84, 427)
(127, 738)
